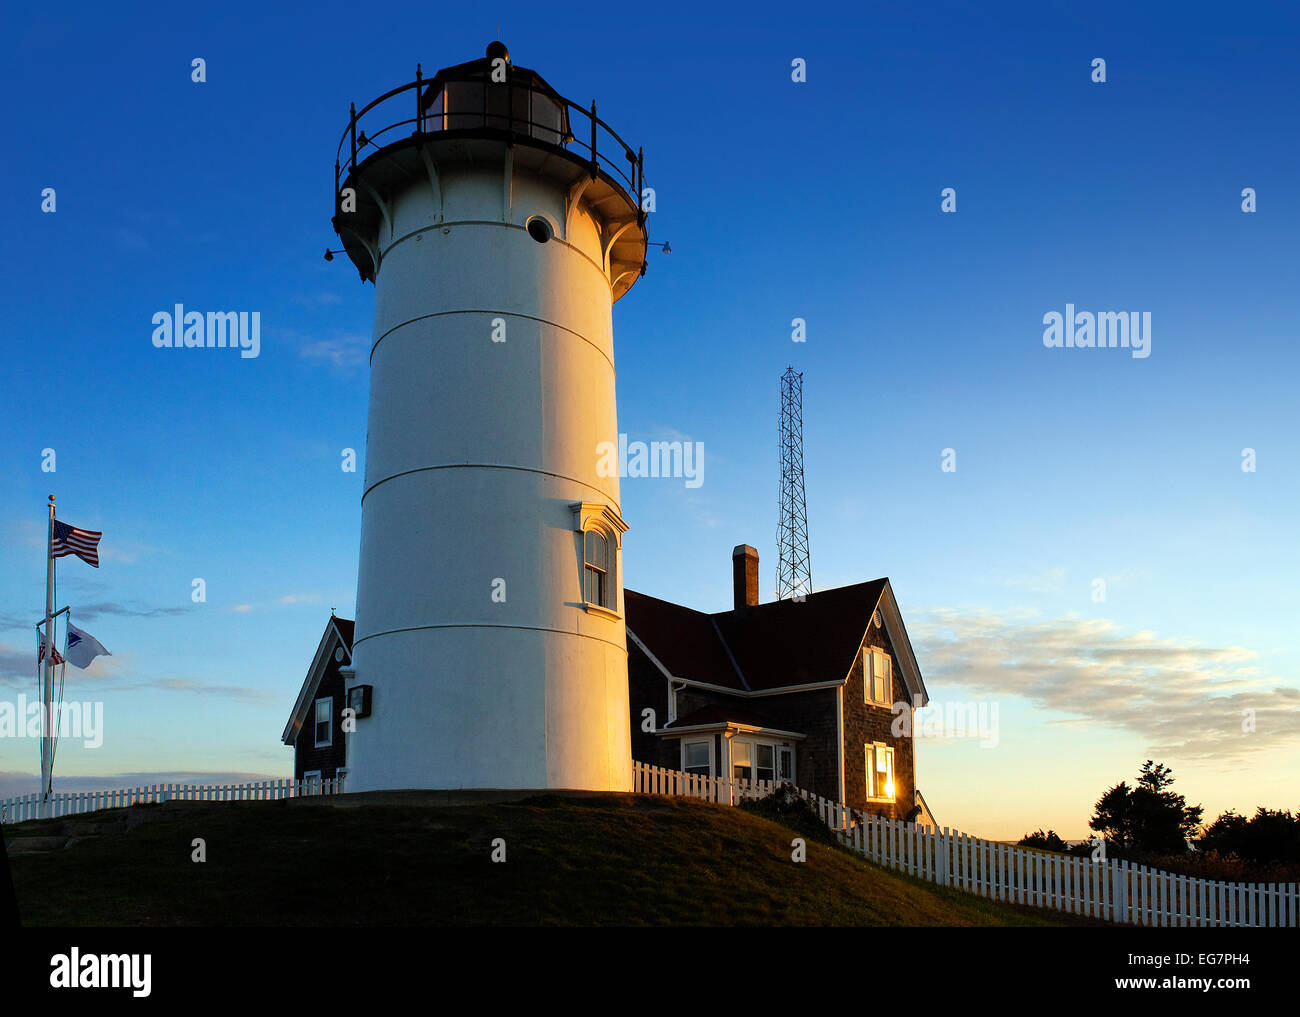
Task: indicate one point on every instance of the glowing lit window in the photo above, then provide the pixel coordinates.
(880, 773)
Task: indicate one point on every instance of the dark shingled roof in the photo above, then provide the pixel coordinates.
(767, 646)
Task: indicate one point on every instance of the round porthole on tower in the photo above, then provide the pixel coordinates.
(539, 229)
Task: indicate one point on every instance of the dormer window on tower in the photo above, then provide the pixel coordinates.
(596, 566)
(601, 529)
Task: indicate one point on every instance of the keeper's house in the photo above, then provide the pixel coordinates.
(818, 692)
(315, 728)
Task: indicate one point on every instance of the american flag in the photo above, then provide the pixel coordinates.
(67, 540)
(40, 653)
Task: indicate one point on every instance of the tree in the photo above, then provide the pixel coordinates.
(1226, 835)
(1048, 841)
(1113, 815)
(1268, 836)
(1148, 818)
(1272, 836)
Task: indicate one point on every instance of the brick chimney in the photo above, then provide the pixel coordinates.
(744, 576)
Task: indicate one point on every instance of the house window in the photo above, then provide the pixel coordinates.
(597, 570)
(696, 758)
(324, 722)
(766, 760)
(742, 761)
(876, 674)
(880, 773)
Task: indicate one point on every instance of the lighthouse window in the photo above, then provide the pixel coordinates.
(597, 570)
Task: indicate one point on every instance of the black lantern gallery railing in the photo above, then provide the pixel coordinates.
(465, 100)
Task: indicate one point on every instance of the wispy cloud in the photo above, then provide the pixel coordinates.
(18, 666)
(202, 688)
(131, 242)
(339, 352)
(117, 674)
(321, 298)
(1040, 581)
(124, 551)
(1179, 697)
(90, 612)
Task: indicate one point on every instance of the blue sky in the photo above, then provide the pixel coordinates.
(818, 200)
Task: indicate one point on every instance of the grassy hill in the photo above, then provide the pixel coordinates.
(593, 860)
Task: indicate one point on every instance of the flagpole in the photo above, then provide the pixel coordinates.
(47, 685)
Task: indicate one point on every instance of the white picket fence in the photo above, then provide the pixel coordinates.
(1113, 890)
(24, 807)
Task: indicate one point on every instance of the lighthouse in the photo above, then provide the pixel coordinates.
(498, 222)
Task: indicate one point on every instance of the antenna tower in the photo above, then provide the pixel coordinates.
(794, 573)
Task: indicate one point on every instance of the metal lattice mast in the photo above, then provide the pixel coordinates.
(794, 572)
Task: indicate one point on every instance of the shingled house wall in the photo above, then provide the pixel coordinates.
(328, 758)
(865, 723)
(647, 688)
(811, 713)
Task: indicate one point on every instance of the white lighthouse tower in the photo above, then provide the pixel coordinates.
(498, 222)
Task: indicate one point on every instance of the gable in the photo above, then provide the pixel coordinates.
(904, 656)
(338, 633)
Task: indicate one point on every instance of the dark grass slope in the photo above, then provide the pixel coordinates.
(599, 860)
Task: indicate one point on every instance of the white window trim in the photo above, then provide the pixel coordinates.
(794, 764)
(605, 520)
(695, 741)
(315, 722)
(753, 768)
(869, 655)
(775, 744)
(869, 762)
(598, 608)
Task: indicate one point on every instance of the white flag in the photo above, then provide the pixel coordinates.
(82, 648)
